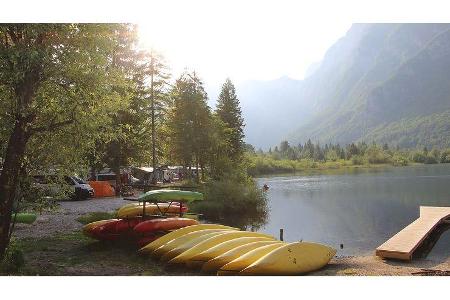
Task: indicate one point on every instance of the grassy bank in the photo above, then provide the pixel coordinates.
(75, 254)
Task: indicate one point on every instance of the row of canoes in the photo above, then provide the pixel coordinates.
(140, 230)
(212, 248)
(226, 250)
(144, 223)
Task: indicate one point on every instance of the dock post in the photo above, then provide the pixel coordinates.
(281, 234)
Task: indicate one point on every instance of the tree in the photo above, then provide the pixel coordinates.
(53, 77)
(189, 122)
(158, 74)
(135, 125)
(229, 111)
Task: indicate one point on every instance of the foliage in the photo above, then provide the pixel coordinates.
(236, 203)
(287, 158)
(189, 122)
(13, 260)
(59, 87)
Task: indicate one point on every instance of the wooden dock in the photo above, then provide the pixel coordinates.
(407, 241)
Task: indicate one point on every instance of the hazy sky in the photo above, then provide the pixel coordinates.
(243, 40)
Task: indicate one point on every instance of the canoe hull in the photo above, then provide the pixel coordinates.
(151, 226)
(178, 233)
(292, 259)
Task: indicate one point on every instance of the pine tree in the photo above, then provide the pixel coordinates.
(229, 111)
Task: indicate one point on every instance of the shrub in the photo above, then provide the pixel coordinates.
(418, 157)
(357, 160)
(445, 156)
(13, 260)
(236, 203)
(430, 159)
(399, 160)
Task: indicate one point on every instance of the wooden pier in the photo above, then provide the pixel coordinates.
(407, 241)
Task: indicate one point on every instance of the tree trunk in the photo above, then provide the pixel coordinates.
(9, 180)
(197, 175)
(153, 120)
(118, 181)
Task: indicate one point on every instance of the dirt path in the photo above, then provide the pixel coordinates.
(64, 219)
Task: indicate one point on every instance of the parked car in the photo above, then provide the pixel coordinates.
(77, 188)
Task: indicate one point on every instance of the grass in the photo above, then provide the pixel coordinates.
(96, 216)
(75, 254)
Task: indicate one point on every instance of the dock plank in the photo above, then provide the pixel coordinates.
(403, 244)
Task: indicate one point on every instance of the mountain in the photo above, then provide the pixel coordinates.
(387, 83)
(271, 109)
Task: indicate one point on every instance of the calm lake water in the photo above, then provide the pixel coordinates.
(360, 208)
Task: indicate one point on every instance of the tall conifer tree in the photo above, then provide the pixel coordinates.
(229, 111)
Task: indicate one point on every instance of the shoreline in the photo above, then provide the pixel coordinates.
(54, 245)
(337, 170)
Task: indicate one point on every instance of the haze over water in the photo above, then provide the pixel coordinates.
(360, 209)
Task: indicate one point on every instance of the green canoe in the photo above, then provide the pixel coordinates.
(171, 195)
(25, 218)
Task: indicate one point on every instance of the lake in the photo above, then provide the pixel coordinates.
(359, 208)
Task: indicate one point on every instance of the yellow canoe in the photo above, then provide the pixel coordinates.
(226, 246)
(178, 233)
(189, 244)
(292, 259)
(184, 239)
(242, 262)
(213, 241)
(216, 263)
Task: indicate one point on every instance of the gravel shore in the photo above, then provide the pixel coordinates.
(64, 221)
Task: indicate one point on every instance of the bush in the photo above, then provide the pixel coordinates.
(357, 160)
(399, 160)
(235, 203)
(418, 157)
(430, 159)
(445, 156)
(13, 260)
(376, 155)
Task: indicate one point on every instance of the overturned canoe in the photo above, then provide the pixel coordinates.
(150, 226)
(87, 229)
(221, 248)
(216, 263)
(192, 251)
(192, 242)
(171, 195)
(292, 259)
(150, 209)
(180, 232)
(115, 229)
(242, 262)
(189, 237)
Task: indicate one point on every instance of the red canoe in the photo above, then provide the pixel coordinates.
(115, 229)
(149, 227)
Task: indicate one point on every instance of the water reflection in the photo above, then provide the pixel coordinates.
(360, 209)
